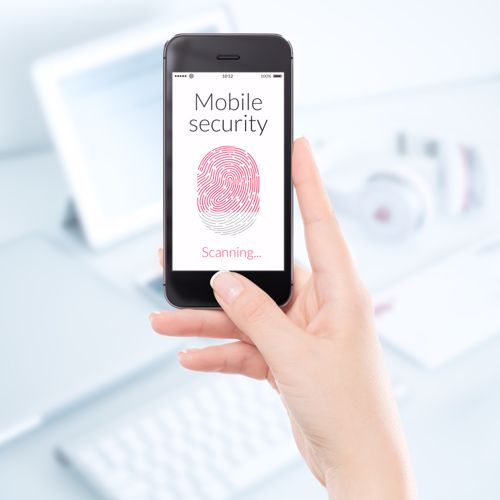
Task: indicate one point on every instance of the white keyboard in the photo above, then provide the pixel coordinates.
(212, 443)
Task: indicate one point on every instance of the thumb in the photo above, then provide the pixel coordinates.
(258, 316)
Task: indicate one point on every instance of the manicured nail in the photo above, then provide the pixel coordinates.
(185, 352)
(153, 315)
(226, 285)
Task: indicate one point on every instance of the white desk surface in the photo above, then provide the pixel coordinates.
(451, 415)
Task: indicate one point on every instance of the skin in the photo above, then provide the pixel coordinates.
(320, 353)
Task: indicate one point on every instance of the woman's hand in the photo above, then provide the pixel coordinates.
(320, 353)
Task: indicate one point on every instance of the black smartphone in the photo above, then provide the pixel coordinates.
(228, 108)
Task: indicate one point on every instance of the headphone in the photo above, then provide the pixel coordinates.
(402, 192)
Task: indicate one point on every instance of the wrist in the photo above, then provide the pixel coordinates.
(381, 481)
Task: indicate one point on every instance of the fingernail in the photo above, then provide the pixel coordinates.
(226, 285)
(153, 315)
(185, 352)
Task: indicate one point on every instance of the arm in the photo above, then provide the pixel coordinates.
(320, 353)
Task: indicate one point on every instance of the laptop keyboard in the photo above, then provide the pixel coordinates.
(212, 443)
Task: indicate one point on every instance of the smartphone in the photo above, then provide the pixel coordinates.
(228, 109)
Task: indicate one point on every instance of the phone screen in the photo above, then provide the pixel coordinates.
(228, 171)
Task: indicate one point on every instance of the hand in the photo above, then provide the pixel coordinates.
(320, 353)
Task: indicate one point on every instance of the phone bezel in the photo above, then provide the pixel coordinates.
(197, 53)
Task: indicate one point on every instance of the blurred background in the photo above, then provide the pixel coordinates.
(401, 102)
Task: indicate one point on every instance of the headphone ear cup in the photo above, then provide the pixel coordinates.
(394, 205)
(460, 178)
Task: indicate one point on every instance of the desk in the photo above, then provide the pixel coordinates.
(451, 417)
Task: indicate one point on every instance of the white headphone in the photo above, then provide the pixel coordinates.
(402, 192)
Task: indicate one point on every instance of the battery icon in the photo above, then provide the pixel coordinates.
(277, 76)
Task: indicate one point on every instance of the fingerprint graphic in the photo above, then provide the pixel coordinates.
(228, 190)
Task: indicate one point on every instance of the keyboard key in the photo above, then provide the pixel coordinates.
(131, 440)
(150, 428)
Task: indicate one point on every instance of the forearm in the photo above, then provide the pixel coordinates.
(384, 480)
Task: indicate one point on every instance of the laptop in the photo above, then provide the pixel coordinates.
(103, 102)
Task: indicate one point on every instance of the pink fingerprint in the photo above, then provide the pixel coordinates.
(228, 190)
